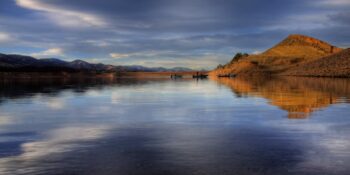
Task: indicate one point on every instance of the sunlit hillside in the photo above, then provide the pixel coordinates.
(292, 51)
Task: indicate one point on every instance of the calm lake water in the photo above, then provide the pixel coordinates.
(291, 126)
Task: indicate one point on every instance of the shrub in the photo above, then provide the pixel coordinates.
(220, 66)
(238, 56)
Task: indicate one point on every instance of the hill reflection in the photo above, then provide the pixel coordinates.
(299, 96)
(11, 89)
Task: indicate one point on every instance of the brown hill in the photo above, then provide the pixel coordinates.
(300, 46)
(293, 50)
(336, 65)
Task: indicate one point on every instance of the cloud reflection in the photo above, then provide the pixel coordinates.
(56, 104)
(179, 127)
(55, 142)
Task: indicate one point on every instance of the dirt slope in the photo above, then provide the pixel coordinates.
(336, 65)
(301, 46)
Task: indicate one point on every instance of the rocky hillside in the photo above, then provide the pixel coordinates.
(336, 65)
(292, 51)
(301, 46)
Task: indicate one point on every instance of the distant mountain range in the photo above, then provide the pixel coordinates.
(137, 68)
(295, 55)
(20, 63)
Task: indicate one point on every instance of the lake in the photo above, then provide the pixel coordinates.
(262, 126)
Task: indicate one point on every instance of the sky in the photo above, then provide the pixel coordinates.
(168, 33)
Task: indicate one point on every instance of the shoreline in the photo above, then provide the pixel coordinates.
(29, 75)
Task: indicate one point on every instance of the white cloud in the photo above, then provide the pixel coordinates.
(49, 52)
(98, 43)
(61, 16)
(335, 2)
(301, 22)
(151, 53)
(257, 52)
(4, 37)
(160, 59)
(55, 104)
(118, 55)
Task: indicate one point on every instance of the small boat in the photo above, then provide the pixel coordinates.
(200, 76)
(174, 76)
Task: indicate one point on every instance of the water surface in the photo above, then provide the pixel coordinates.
(158, 126)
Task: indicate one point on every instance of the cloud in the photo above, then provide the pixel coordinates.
(61, 16)
(335, 2)
(155, 32)
(4, 37)
(257, 52)
(49, 52)
(118, 55)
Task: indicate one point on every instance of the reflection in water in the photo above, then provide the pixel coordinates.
(128, 126)
(57, 142)
(21, 88)
(300, 96)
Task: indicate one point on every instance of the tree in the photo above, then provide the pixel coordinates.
(219, 66)
(238, 56)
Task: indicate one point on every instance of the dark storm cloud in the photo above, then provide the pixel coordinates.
(165, 31)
